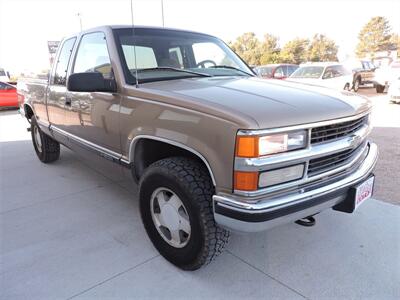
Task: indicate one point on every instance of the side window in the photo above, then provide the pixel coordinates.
(286, 71)
(328, 73)
(265, 71)
(60, 75)
(92, 55)
(337, 71)
(292, 69)
(341, 71)
(279, 72)
(3, 86)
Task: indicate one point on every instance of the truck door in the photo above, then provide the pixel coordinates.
(56, 92)
(96, 120)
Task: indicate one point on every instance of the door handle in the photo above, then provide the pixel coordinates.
(67, 101)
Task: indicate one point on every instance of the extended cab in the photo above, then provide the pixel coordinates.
(213, 147)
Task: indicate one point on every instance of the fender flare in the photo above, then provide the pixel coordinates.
(173, 143)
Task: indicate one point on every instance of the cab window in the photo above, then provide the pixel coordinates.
(60, 74)
(92, 55)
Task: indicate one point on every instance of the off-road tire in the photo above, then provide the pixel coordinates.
(190, 181)
(380, 88)
(50, 150)
(357, 84)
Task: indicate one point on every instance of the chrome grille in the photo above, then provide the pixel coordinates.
(335, 131)
(330, 162)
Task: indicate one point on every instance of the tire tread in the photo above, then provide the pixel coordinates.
(193, 176)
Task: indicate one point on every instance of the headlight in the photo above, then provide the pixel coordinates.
(255, 146)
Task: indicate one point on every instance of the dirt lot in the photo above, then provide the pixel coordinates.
(386, 133)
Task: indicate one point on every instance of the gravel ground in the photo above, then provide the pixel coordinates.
(386, 134)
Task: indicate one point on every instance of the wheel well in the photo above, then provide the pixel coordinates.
(28, 112)
(148, 151)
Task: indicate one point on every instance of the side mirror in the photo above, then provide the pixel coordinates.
(278, 76)
(90, 82)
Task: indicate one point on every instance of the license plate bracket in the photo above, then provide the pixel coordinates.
(357, 195)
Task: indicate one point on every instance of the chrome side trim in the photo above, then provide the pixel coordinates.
(43, 123)
(103, 152)
(266, 204)
(303, 126)
(171, 142)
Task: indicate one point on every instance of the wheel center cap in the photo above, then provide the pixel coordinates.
(170, 216)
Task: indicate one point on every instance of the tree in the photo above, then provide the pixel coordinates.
(395, 41)
(269, 50)
(374, 36)
(295, 51)
(322, 49)
(248, 47)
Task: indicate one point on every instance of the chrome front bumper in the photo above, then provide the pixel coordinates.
(239, 214)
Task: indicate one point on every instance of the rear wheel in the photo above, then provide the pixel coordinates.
(176, 210)
(46, 148)
(380, 88)
(356, 85)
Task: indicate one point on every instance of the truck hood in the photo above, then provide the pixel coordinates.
(270, 103)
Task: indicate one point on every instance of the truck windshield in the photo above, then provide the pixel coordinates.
(171, 54)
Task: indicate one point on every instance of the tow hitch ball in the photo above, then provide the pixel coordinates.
(307, 221)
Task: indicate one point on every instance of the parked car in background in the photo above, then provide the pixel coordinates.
(8, 95)
(394, 91)
(277, 71)
(326, 74)
(363, 73)
(385, 75)
(4, 75)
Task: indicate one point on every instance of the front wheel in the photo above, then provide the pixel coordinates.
(176, 210)
(47, 149)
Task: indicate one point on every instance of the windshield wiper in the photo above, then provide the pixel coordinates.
(174, 69)
(230, 67)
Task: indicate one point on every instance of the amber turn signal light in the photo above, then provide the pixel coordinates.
(247, 146)
(246, 181)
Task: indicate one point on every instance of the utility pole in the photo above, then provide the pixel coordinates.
(79, 15)
(162, 12)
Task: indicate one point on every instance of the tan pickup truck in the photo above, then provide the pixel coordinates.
(212, 147)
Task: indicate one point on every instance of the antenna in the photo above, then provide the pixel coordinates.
(79, 15)
(162, 12)
(134, 46)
